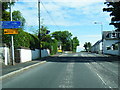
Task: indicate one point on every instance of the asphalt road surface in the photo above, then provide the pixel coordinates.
(78, 70)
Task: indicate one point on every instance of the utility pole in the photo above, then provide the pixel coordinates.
(101, 24)
(102, 35)
(39, 26)
(12, 42)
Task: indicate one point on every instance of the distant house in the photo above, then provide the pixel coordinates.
(111, 42)
(97, 47)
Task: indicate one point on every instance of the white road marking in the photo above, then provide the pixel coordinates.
(67, 81)
(75, 55)
(95, 71)
(62, 55)
(102, 80)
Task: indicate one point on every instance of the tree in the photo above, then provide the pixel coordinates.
(17, 16)
(43, 32)
(87, 46)
(46, 40)
(114, 8)
(75, 43)
(64, 37)
(5, 5)
(68, 44)
(6, 14)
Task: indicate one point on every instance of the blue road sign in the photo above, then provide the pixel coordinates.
(10, 24)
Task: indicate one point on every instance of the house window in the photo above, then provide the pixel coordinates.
(108, 48)
(114, 46)
(113, 34)
(108, 35)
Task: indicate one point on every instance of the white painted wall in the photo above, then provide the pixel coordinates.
(29, 55)
(1, 54)
(4, 55)
(45, 52)
(25, 55)
(35, 54)
(108, 43)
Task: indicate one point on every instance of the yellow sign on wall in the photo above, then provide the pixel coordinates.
(10, 31)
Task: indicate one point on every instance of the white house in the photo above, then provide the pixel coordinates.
(97, 47)
(111, 42)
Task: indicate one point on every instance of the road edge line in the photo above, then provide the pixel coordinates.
(17, 71)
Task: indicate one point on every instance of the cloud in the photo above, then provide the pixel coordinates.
(29, 12)
(82, 1)
(90, 12)
(67, 12)
(91, 36)
(63, 12)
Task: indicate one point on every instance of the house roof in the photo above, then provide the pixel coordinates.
(97, 42)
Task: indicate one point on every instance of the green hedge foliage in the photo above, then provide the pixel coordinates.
(27, 40)
(22, 39)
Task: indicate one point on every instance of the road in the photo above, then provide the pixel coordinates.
(78, 70)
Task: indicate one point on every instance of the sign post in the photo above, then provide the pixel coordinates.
(12, 47)
(12, 43)
(10, 27)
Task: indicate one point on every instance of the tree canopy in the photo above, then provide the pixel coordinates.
(5, 13)
(114, 8)
(75, 43)
(65, 37)
(87, 46)
(62, 36)
(17, 16)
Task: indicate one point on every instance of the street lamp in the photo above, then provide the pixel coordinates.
(100, 25)
(101, 32)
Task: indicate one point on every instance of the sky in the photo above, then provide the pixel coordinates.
(76, 16)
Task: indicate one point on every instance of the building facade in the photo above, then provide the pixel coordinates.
(111, 42)
(97, 47)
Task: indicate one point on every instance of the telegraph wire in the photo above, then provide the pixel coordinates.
(49, 15)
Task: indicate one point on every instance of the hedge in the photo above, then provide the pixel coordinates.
(22, 39)
(27, 40)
